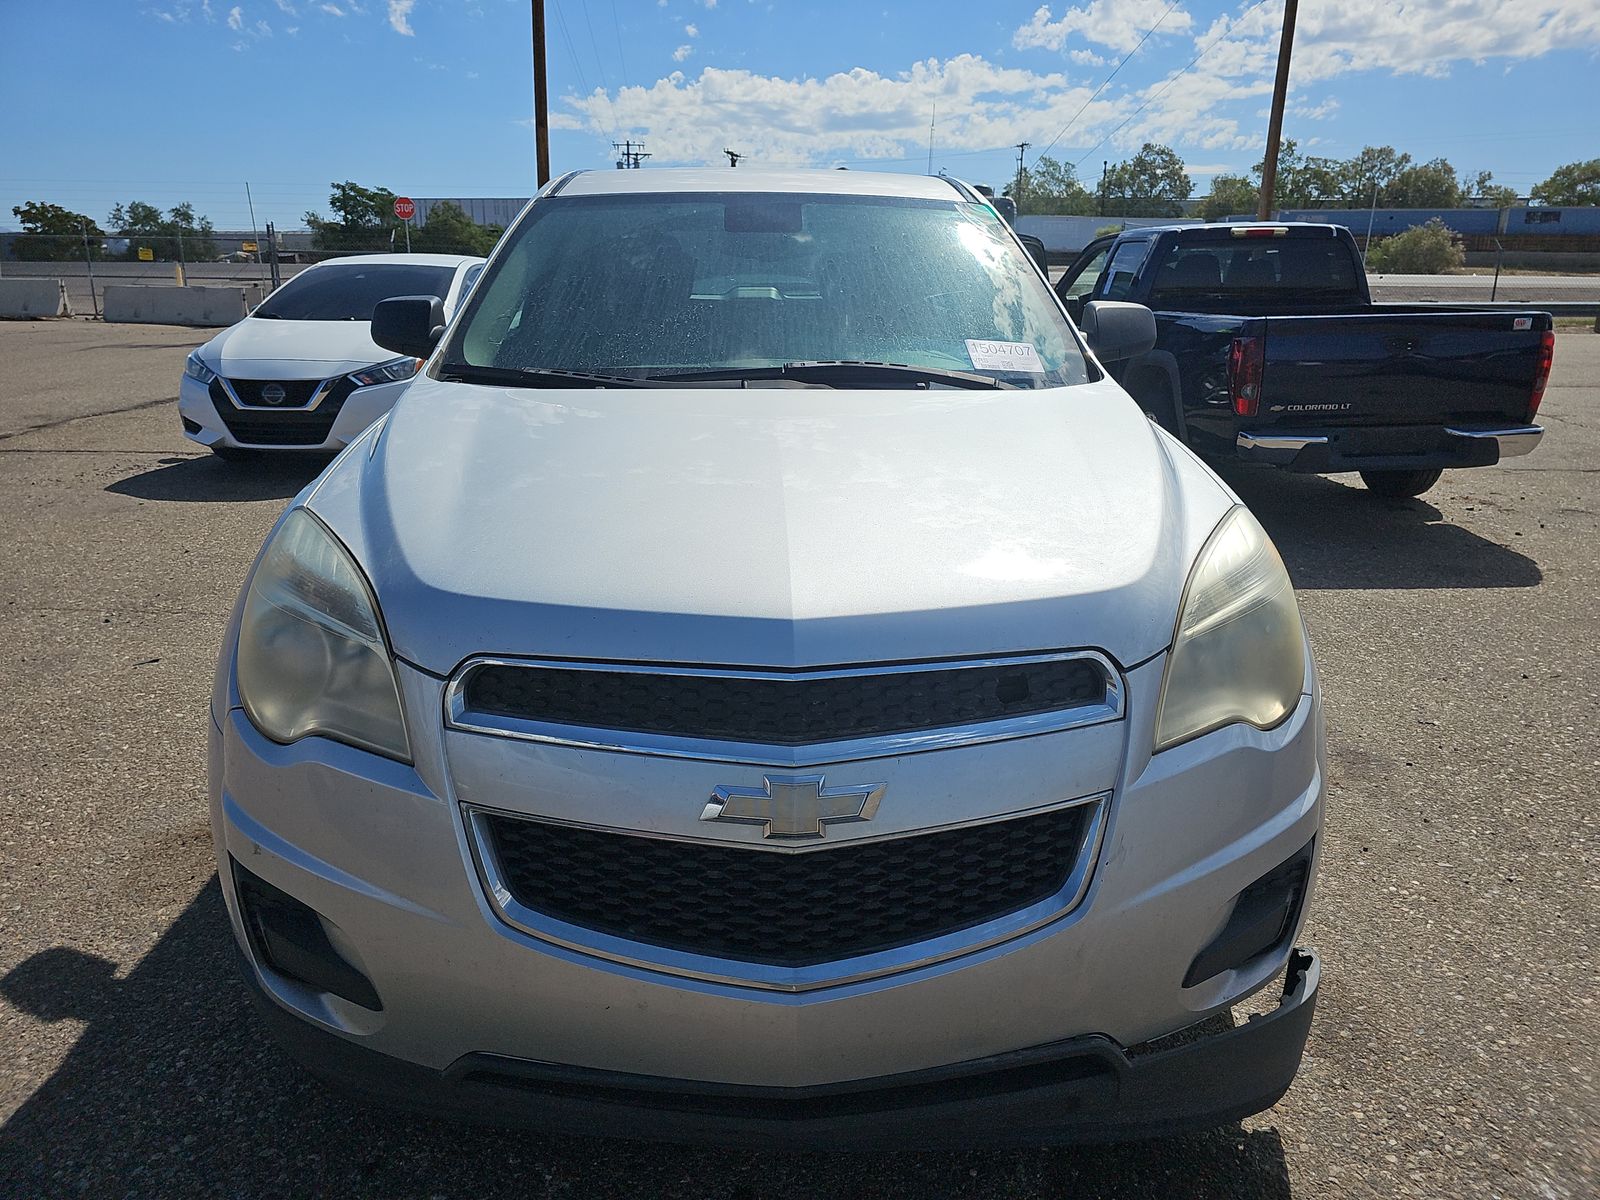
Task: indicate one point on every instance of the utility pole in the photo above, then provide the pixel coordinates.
(633, 155)
(1022, 148)
(1105, 175)
(733, 157)
(1280, 92)
(931, 121)
(541, 102)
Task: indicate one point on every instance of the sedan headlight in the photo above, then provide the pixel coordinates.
(392, 371)
(197, 370)
(1239, 650)
(312, 655)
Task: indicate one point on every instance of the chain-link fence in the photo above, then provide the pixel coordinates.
(87, 264)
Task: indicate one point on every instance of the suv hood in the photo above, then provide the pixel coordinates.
(257, 348)
(773, 527)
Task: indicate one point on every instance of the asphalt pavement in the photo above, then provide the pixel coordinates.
(1454, 1051)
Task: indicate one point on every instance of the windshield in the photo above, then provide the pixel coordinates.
(655, 285)
(349, 293)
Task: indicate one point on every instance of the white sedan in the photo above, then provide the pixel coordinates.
(302, 372)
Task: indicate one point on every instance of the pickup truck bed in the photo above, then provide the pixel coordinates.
(1269, 349)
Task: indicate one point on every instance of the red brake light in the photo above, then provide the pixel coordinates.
(1541, 376)
(1246, 364)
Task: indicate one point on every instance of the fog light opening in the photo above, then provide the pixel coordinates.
(288, 937)
(1263, 919)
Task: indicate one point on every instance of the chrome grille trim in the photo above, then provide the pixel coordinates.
(459, 716)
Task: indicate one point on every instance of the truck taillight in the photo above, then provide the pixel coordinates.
(1541, 376)
(1246, 363)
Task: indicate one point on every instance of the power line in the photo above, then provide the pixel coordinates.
(622, 59)
(605, 76)
(1234, 24)
(1104, 82)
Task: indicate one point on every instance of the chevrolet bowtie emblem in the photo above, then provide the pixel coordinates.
(793, 808)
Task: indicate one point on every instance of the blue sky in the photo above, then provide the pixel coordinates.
(167, 100)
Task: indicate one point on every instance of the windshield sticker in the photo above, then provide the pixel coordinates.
(1004, 356)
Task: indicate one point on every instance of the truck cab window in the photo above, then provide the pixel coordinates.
(1116, 282)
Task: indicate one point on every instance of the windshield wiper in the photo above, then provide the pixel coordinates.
(535, 377)
(839, 371)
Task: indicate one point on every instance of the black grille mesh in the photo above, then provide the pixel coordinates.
(295, 391)
(787, 910)
(784, 711)
(276, 427)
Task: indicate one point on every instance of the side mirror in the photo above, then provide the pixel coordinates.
(409, 325)
(1117, 331)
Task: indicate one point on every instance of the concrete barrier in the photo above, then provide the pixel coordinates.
(178, 305)
(30, 299)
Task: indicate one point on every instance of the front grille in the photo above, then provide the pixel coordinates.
(274, 427)
(782, 710)
(295, 391)
(787, 910)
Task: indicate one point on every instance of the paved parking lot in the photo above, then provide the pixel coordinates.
(1454, 1052)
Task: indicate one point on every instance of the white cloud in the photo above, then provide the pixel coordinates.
(710, 4)
(236, 18)
(333, 10)
(286, 8)
(205, 8)
(399, 16)
(262, 29)
(292, 30)
(691, 31)
(682, 52)
(856, 114)
(1115, 23)
(1214, 104)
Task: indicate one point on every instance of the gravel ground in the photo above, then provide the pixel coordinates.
(1454, 1049)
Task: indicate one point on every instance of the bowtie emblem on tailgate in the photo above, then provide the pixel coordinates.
(793, 807)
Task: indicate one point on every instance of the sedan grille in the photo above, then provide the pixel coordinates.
(296, 392)
(278, 427)
(787, 910)
(785, 710)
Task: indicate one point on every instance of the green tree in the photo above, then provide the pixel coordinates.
(364, 218)
(1375, 166)
(1483, 187)
(450, 231)
(61, 233)
(1301, 182)
(1230, 194)
(1052, 188)
(1432, 184)
(1427, 249)
(1152, 183)
(1575, 183)
(177, 235)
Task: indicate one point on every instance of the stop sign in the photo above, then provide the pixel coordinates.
(403, 208)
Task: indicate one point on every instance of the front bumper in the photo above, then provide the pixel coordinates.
(204, 425)
(1387, 448)
(1083, 1089)
(382, 851)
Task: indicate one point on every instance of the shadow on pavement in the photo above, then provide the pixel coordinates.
(173, 1089)
(1335, 536)
(207, 478)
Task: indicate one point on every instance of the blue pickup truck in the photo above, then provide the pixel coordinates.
(1270, 349)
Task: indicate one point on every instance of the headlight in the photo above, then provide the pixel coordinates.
(312, 655)
(392, 371)
(197, 370)
(1238, 653)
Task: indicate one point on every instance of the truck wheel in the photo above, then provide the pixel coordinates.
(1159, 407)
(1399, 484)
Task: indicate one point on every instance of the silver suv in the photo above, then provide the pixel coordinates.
(764, 682)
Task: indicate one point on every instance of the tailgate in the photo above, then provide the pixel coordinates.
(1400, 368)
